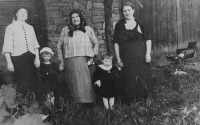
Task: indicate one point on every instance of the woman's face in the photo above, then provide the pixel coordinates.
(22, 14)
(76, 19)
(128, 12)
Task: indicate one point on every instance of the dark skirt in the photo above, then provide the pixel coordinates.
(136, 73)
(25, 74)
(78, 79)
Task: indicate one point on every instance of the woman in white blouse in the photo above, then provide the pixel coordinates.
(21, 51)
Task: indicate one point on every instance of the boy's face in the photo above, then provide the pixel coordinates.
(46, 57)
(107, 62)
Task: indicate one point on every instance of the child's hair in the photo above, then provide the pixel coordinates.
(107, 56)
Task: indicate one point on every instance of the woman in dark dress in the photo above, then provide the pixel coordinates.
(132, 44)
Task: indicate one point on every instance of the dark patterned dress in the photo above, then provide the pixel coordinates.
(136, 73)
(109, 82)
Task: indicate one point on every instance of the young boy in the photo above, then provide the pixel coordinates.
(105, 80)
(48, 77)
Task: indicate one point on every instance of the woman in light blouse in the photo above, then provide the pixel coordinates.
(21, 51)
(76, 47)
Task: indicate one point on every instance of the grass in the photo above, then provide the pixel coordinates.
(175, 102)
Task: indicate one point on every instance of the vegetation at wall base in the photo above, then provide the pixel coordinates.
(175, 101)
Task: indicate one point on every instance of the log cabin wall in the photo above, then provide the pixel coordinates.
(176, 21)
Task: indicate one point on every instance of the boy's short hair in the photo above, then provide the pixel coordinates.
(107, 56)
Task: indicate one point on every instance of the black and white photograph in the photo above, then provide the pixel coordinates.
(99, 62)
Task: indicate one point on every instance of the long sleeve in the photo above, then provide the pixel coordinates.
(60, 46)
(8, 41)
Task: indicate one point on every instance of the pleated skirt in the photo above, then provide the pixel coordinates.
(78, 79)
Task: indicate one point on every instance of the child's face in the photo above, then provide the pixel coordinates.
(107, 62)
(46, 57)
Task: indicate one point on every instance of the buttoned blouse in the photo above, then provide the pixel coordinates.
(81, 44)
(19, 38)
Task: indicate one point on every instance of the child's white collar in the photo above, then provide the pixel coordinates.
(104, 67)
(47, 62)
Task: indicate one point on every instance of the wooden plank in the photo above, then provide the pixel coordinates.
(195, 12)
(172, 23)
(179, 24)
(153, 25)
(156, 26)
(198, 24)
(18, 0)
(184, 18)
(43, 36)
(190, 21)
(7, 8)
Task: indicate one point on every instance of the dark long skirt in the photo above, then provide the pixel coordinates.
(136, 72)
(78, 79)
(25, 74)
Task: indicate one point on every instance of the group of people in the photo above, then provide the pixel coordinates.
(76, 48)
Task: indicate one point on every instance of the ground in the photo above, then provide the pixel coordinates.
(175, 101)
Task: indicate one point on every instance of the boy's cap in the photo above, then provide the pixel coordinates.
(46, 49)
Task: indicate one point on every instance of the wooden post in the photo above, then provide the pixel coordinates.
(108, 25)
(42, 23)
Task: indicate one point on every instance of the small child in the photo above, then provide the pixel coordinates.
(105, 80)
(48, 77)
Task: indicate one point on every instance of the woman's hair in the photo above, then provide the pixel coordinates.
(82, 19)
(107, 56)
(16, 10)
(128, 3)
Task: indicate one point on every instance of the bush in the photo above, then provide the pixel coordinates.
(175, 101)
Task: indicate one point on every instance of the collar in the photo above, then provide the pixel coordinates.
(20, 22)
(72, 29)
(105, 68)
(47, 62)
